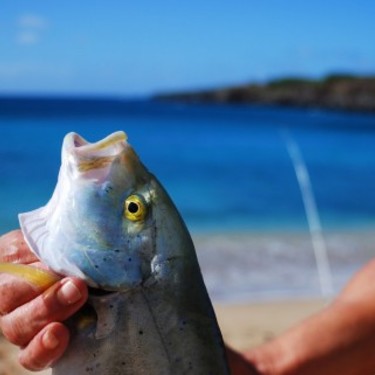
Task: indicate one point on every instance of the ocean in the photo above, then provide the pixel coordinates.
(227, 169)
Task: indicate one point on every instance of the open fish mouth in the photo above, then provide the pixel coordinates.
(108, 146)
(92, 159)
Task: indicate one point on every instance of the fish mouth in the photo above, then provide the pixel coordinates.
(86, 157)
(79, 150)
(76, 144)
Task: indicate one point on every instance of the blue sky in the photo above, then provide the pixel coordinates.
(123, 47)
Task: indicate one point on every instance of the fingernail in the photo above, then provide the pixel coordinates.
(69, 293)
(49, 340)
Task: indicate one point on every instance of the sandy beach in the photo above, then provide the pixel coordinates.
(243, 326)
(247, 325)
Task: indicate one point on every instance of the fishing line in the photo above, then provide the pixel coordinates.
(312, 214)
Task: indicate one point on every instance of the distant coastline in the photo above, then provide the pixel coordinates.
(337, 91)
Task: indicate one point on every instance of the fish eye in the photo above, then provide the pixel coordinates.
(135, 208)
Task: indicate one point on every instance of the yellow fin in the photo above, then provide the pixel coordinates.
(39, 278)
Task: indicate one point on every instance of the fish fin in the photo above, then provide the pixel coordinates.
(35, 230)
(37, 233)
(40, 279)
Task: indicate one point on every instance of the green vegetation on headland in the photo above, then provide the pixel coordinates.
(338, 91)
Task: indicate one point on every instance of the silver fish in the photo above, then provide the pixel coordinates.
(111, 223)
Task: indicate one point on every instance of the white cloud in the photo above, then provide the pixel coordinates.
(30, 29)
(32, 21)
(28, 37)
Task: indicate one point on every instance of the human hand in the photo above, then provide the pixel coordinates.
(31, 318)
(238, 364)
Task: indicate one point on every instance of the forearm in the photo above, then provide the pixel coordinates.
(322, 345)
(338, 340)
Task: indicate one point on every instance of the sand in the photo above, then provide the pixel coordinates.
(247, 325)
(243, 326)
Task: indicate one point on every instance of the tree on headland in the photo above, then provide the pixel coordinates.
(336, 91)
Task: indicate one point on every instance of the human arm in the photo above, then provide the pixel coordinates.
(338, 340)
(30, 318)
(238, 364)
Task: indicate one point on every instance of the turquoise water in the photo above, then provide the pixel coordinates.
(227, 168)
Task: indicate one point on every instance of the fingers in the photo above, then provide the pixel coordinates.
(15, 291)
(30, 319)
(45, 348)
(56, 304)
(14, 249)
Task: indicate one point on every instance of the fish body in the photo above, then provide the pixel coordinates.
(111, 223)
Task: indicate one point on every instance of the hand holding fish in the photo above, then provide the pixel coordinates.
(30, 316)
(110, 224)
(49, 338)
(30, 319)
(45, 342)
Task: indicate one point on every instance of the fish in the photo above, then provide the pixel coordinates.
(111, 223)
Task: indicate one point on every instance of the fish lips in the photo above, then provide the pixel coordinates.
(92, 161)
(75, 146)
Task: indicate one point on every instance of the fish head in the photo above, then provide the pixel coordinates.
(109, 220)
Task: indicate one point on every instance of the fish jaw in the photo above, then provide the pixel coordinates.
(82, 230)
(73, 142)
(91, 160)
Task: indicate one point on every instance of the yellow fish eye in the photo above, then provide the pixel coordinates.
(135, 208)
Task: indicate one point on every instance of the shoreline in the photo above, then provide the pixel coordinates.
(278, 266)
